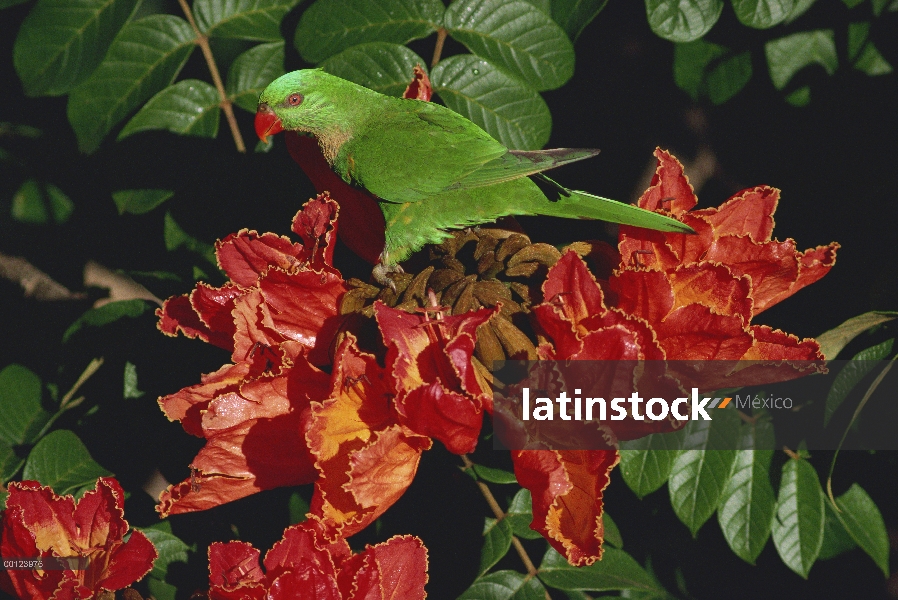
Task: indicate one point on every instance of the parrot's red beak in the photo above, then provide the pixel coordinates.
(267, 123)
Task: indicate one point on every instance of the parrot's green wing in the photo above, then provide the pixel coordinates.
(521, 163)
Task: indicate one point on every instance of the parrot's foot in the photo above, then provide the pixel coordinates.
(382, 271)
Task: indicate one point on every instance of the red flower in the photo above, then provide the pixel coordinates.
(438, 391)
(278, 316)
(310, 561)
(38, 523)
(669, 297)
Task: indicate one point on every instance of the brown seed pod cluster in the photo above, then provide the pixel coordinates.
(474, 268)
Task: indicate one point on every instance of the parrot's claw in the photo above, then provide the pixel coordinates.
(381, 274)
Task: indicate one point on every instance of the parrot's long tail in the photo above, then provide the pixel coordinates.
(575, 204)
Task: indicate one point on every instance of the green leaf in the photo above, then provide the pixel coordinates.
(252, 71)
(494, 475)
(161, 590)
(705, 69)
(788, 55)
(298, 508)
(9, 3)
(189, 107)
(496, 542)
(38, 203)
(516, 37)
(701, 471)
(574, 15)
(61, 42)
(380, 66)
(138, 202)
(852, 373)
(747, 503)
(144, 58)
(801, 7)
(3, 496)
(509, 111)
(835, 539)
(616, 571)
(10, 463)
(645, 463)
(520, 515)
(798, 526)
(682, 20)
(505, 585)
(21, 414)
(331, 26)
(863, 54)
(763, 14)
(61, 461)
(175, 238)
(612, 533)
(258, 20)
(880, 5)
(130, 388)
(862, 520)
(170, 547)
(832, 341)
(108, 313)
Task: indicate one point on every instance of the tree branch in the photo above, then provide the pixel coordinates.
(438, 49)
(497, 510)
(202, 40)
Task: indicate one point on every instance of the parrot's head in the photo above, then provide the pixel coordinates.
(309, 101)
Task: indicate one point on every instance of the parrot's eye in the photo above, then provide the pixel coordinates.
(294, 99)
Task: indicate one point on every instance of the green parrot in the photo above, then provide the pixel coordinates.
(431, 169)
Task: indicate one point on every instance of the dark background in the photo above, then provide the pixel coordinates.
(835, 161)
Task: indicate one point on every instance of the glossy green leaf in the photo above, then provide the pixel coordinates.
(21, 414)
(747, 503)
(144, 58)
(852, 373)
(645, 463)
(516, 37)
(832, 341)
(380, 66)
(574, 15)
(175, 237)
(61, 42)
(138, 202)
(800, 7)
(788, 55)
(763, 14)
(505, 585)
(798, 525)
(863, 54)
(10, 463)
(61, 461)
(252, 71)
(496, 542)
(701, 471)
(616, 571)
(880, 5)
(3, 496)
(189, 107)
(835, 539)
(108, 313)
(258, 20)
(331, 26)
(509, 111)
(40, 203)
(494, 475)
(298, 508)
(161, 590)
(130, 388)
(705, 69)
(170, 547)
(682, 20)
(612, 533)
(520, 515)
(862, 520)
